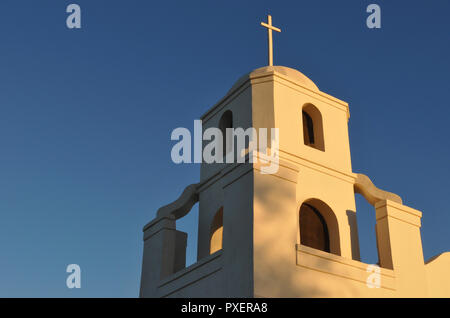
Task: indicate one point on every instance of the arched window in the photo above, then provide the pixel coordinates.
(319, 227)
(313, 228)
(308, 129)
(312, 127)
(226, 121)
(216, 232)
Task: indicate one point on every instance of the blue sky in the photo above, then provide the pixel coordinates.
(86, 117)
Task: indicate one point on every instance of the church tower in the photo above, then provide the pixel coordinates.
(314, 156)
(291, 233)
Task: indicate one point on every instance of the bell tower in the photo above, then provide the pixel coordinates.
(314, 168)
(291, 232)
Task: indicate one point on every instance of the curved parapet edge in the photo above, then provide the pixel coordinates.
(445, 255)
(181, 206)
(364, 186)
(438, 277)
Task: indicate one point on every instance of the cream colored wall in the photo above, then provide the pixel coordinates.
(400, 244)
(212, 195)
(238, 232)
(288, 103)
(198, 280)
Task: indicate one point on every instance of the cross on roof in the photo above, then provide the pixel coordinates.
(269, 27)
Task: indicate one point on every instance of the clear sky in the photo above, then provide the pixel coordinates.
(86, 117)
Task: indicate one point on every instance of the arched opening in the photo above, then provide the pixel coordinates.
(226, 121)
(308, 129)
(375, 246)
(216, 232)
(188, 224)
(367, 237)
(313, 228)
(318, 227)
(312, 127)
